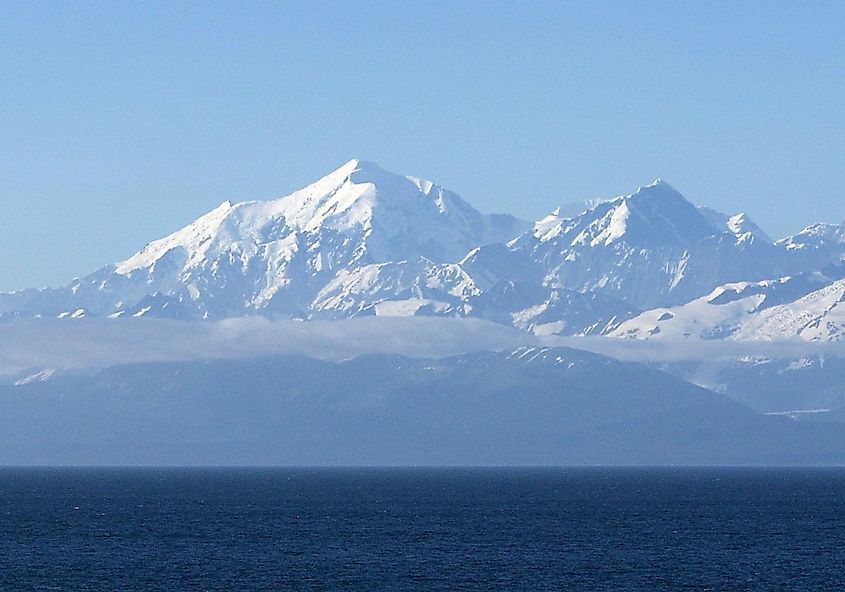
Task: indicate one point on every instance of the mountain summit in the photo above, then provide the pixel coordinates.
(654, 215)
(369, 214)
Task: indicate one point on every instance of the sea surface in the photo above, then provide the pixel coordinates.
(422, 529)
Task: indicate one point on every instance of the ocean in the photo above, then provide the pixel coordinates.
(399, 529)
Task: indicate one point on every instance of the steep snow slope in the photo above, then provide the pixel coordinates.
(819, 316)
(410, 285)
(808, 306)
(739, 224)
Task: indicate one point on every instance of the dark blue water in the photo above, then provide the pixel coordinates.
(422, 529)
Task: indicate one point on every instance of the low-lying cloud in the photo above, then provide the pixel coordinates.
(98, 343)
(674, 350)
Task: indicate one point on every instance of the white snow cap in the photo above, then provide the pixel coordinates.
(740, 224)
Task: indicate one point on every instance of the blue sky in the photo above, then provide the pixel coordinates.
(122, 122)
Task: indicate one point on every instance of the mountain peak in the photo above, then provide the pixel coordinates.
(361, 165)
(742, 225)
(654, 213)
(658, 187)
(260, 252)
(357, 171)
(816, 236)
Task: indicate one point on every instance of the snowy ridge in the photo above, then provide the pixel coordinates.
(808, 307)
(653, 213)
(650, 248)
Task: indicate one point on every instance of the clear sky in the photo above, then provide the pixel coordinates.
(121, 122)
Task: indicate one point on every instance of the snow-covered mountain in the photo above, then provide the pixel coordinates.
(364, 241)
(276, 257)
(653, 248)
(810, 306)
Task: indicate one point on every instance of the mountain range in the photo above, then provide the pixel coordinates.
(528, 406)
(364, 241)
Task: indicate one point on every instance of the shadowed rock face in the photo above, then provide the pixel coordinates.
(533, 406)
